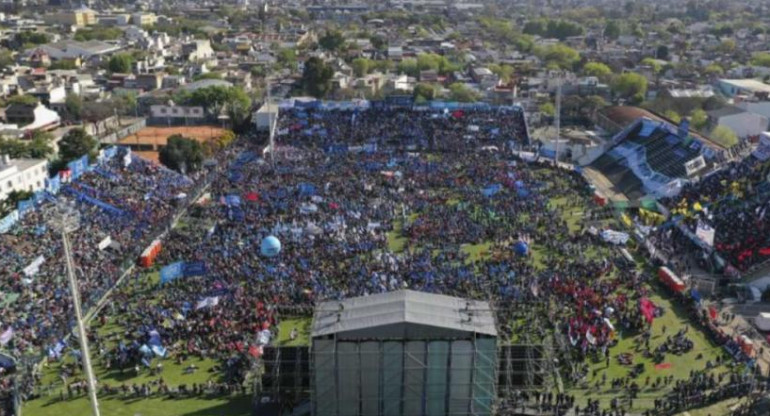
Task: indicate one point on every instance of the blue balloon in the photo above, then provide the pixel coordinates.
(521, 248)
(271, 246)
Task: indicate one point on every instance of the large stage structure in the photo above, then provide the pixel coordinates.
(404, 353)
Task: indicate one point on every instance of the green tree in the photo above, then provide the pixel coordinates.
(698, 119)
(11, 201)
(503, 71)
(559, 55)
(77, 143)
(662, 52)
(727, 46)
(209, 75)
(74, 105)
(361, 66)
(31, 38)
(597, 69)
(6, 58)
(548, 109)
(652, 63)
(182, 154)
(629, 85)
(120, 63)
(378, 42)
(761, 59)
(287, 58)
(23, 100)
(462, 93)
(409, 67)
(714, 70)
(40, 146)
(424, 92)
(673, 116)
(612, 30)
(233, 101)
(724, 136)
(332, 40)
(316, 78)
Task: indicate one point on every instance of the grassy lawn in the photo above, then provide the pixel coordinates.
(152, 406)
(303, 332)
(674, 319)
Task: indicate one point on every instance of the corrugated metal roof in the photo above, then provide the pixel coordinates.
(404, 307)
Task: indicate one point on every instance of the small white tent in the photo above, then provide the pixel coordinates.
(762, 321)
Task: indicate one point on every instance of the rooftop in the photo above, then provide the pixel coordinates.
(403, 314)
(748, 84)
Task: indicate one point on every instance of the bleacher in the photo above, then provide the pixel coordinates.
(649, 156)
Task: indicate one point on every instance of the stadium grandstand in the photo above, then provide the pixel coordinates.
(650, 155)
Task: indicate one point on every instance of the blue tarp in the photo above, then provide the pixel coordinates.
(193, 268)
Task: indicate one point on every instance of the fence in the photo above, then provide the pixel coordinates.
(124, 132)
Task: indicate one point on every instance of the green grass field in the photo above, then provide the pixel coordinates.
(153, 406)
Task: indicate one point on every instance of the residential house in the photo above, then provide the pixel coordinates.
(21, 175)
(744, 87)
(21, 117)
(79, 17)
(149, 82)
(197, 50)
(395, 53)
(484, 77)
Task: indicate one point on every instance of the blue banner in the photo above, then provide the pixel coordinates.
(25, 206)
(306, 189)
(194, 268)
(8, 221)
(171, 272)
(53, 184)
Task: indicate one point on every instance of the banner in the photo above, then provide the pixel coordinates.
(207, 302)
(6, 336)
(8, 221)
(34, 267)
(171, 272)
(195, 268)
(105, 243)
(706, 233)
(53, 184)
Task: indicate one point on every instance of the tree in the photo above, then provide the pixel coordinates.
(23, 100)
(424, 92)
(316, 78)
(6, 59)
(209, 75)
(182, 154)
(727, 46)
(724, 136)
(409, 67)
(698, 119)
(40, 146)
(673, 116)
(652, 63)
(332, 40)
(462, 93)
(559, 55)
(74, 105)
(662, 52)
(714, 70)
(629, 85)
(378, 42)
(77, 143)
(66, 64)
(11, 201)
(761, 59)
(217, 98)
(612, 30)
(287, 58)
(548, 109)
(361, 66)
(120, 63)
(503, 71)
(596, 69)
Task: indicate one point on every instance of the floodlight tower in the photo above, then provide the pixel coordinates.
(557, 120)
(66, 219)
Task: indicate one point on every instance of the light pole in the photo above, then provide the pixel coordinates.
(66, 219)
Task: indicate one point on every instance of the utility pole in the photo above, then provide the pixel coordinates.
(557, 120)
(66, 219)
(271, 128)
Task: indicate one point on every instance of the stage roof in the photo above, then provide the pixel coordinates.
(403, 314)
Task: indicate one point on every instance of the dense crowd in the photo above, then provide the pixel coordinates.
(363, 202)
(733, 202)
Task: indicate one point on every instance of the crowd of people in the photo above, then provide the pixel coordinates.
(362, 202)
(732, 202)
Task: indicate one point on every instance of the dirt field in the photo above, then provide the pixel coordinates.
(146, 142)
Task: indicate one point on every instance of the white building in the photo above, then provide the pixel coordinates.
(741, 122)
(22, 175)
(264, 116)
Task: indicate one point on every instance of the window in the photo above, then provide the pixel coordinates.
(10, 185)
(163, 110)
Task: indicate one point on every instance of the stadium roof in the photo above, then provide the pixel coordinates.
(403, 314)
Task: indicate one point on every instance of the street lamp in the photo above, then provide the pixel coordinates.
(65, 219)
